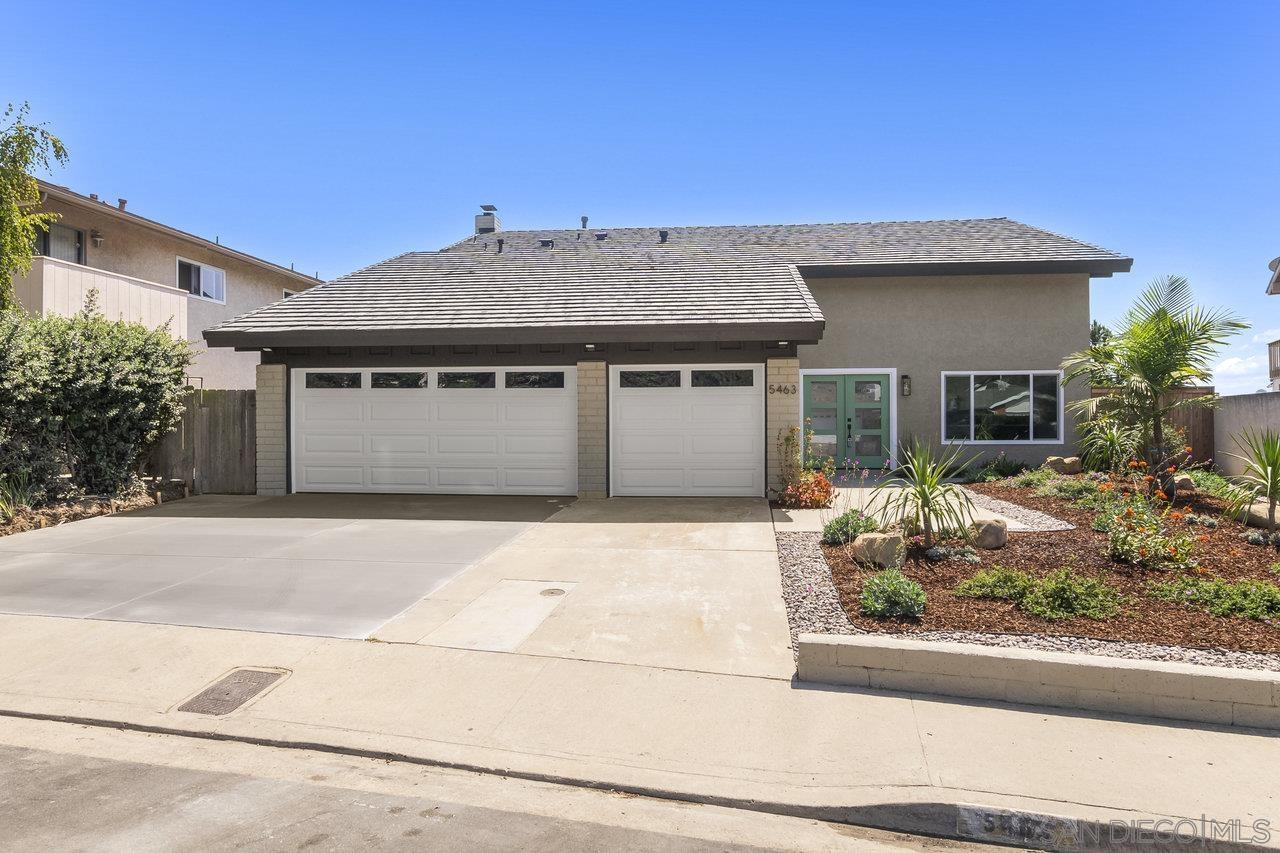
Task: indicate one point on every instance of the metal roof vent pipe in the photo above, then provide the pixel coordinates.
(500, 242)
(662, 236)
(487, 220)
(584, 222)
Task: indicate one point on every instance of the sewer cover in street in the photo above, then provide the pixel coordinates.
(230, 692)
(552, 591)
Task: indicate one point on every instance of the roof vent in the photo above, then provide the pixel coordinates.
(662, 236)
(602, 235)
(500, 242)
(487, 220)
(547, 243)
(584, 222)
(122, 203)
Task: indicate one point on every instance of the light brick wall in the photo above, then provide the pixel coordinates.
(593, 430)
(271, 427)
(782, 410)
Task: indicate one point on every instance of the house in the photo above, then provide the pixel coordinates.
(1273, 348)
(151, 273)
(667, 361)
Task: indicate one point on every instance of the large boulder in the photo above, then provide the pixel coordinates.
(990, 535)
(879, 549)
(1259, 515)
(1184, 485)
(1063, 464)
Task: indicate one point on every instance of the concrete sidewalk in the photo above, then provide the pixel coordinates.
(897, 761)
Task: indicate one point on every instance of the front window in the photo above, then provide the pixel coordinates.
(202, 280)
(1009, 407)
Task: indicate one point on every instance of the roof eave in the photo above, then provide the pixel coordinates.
(792, 331)
(1095, 268)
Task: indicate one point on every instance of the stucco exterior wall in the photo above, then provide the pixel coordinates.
(1236, 414)
(134, 250)
(923, 325)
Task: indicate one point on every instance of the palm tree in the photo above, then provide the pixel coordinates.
(1165, 342)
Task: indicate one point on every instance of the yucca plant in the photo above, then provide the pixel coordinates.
(16, 495)
(921, 497)
(1107, 444)
(1260, 453)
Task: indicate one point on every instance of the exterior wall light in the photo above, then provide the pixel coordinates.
(96, 236)
(906, 385)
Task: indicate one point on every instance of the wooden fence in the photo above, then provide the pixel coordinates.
(213, 449)
(1195, 422)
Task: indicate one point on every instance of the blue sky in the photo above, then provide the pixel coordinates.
(333, 136)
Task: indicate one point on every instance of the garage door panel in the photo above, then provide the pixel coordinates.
(403, 440)
(686, 439)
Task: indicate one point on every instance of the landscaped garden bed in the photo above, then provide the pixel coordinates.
(143, 494)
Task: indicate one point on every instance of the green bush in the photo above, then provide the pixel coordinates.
(999, 467)
(1068, 489)
(1210, 482)
(997, 582)
(890, 593)
(1035, 478)
(1064, 594)
(1253, 599)
(1061, 595)
(847, 526)
(85, 394)
(1137, 535)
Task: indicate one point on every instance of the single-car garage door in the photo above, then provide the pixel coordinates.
(492, 430)
(687, 429)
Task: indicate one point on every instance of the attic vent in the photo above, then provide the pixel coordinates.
(662, 236)
(602, 235)
(547, 243)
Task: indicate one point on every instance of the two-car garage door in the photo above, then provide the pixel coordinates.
(673, 430)
(484, 431)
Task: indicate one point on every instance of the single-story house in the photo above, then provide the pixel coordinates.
(668, 361)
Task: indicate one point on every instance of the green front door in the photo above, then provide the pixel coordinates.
(849, 417)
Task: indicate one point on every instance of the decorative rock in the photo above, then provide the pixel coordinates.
(1259, 514)
(1063, 465)
(1184, 485)
(990, 535)
(878, 549)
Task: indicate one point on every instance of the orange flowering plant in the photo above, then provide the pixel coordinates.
(806, 479)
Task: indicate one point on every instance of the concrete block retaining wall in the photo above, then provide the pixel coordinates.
(1233, 416)
(1089, 682)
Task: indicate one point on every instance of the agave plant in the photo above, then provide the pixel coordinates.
(921, 497)
(1260, 453)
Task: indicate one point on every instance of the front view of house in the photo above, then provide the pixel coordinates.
(667, 361)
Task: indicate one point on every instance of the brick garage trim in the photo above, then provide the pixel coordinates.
(272, 429)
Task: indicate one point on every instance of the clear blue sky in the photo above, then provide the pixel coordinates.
(335, 135)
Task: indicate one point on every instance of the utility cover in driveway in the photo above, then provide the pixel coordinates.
(231, 692)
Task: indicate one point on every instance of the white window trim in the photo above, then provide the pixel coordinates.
(942, 408)
(892, 391)
(202, 265)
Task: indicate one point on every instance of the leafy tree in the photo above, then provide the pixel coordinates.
(1098, 333)
(1166, 342)
(24, 148)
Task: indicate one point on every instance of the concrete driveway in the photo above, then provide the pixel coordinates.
(325, 565)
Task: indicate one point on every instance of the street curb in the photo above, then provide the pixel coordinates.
(959, 820)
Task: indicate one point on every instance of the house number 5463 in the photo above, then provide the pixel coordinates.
(782, 389)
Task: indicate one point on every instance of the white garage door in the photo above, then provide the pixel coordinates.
(687, 429)
(504, 430)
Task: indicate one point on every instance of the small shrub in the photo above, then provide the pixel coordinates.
(891, 594)
(1260, 537)
(1275, 569)
(963, 553)
(1253, 599)
(1202, 520)
(1035, 478)
(1064, 594)
(1136, 535)
(1068, 489)
(1001, 467)
(1210, 482)
(848, 526)
(998, 583)
(812, 490)
(16, 494)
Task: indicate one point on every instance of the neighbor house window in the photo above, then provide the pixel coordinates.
(289, 293)
(333, 380)
(649, 379)
(535, 379)
(1011, 406)
(202, 280)
(722, 378)
(398, 380)
(466, 380)
(61, 242)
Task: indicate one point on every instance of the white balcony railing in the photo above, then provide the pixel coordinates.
(60, 287)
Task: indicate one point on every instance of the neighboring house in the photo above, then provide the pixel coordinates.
(1273, 348)
(153, 274)
(667, 361)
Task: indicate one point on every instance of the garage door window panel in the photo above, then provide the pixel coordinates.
(399, 380)
(333, 381)
(535, 379)
(649, 379)
(467, 380)
(723, 378)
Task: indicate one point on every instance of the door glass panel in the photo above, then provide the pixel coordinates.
(825, 445)
(823, 420)
(1002, 407)
(65, 244)
(866, 391)
(868, 419)
(824, 391)
(867, 445)
(398, 380)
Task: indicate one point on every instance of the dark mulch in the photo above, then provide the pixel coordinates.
(1144, 619)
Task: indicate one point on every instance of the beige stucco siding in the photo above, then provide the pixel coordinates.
(140, 252)
(923, 325)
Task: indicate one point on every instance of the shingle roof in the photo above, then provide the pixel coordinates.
(565, 286)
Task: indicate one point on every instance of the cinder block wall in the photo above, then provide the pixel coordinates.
(782, 411)
(1235, 415)
(593, 430)
(271, 428)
